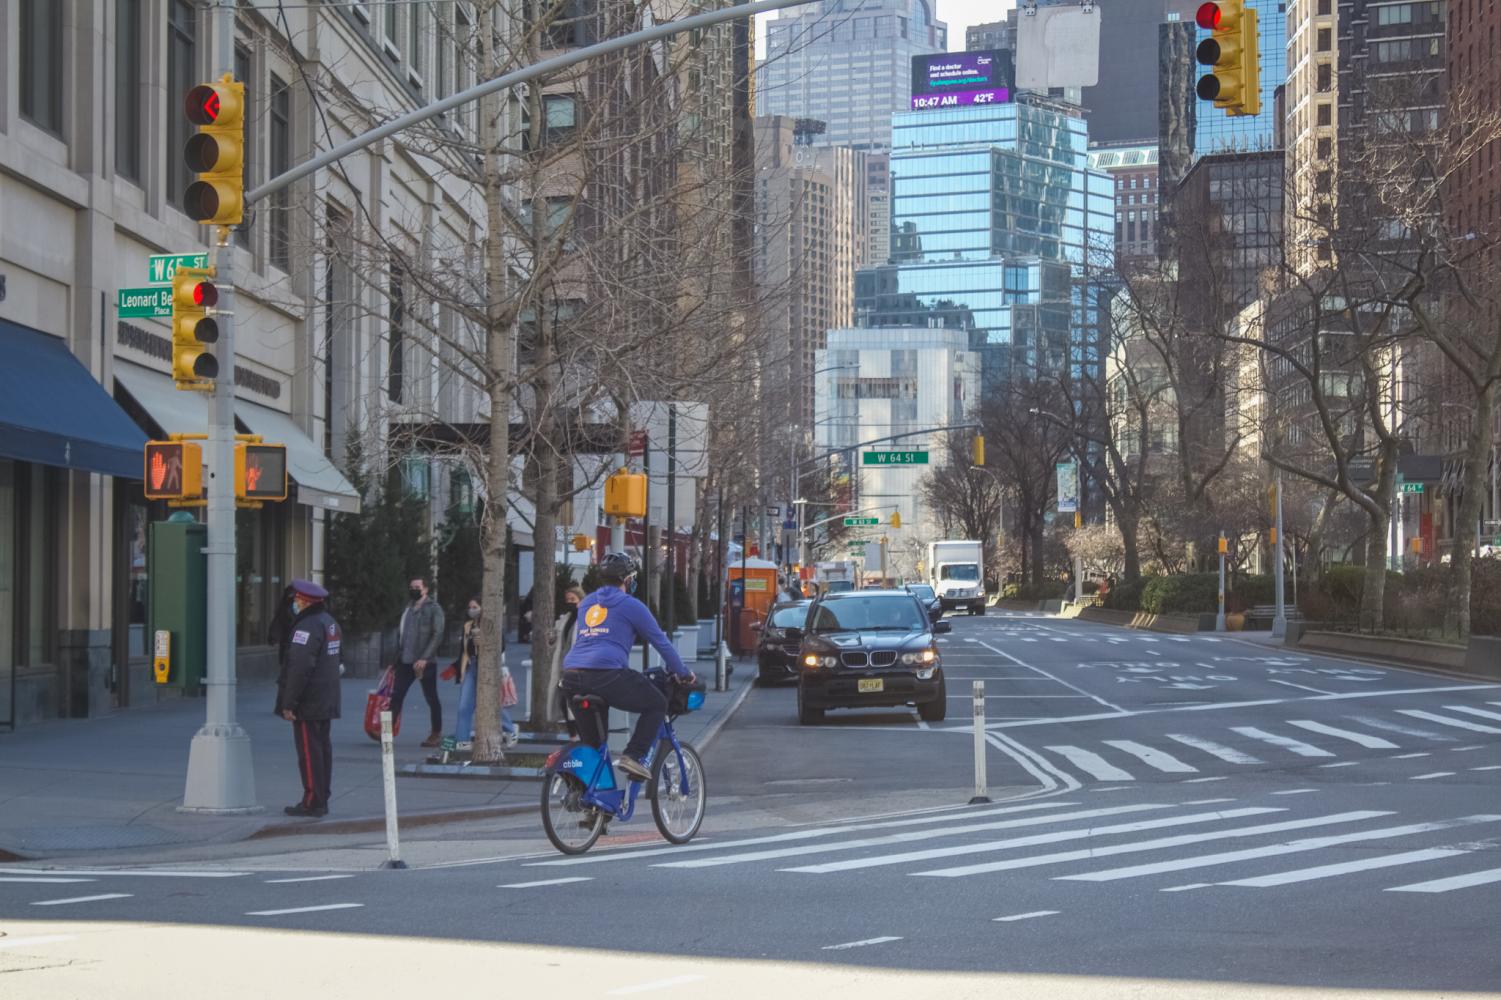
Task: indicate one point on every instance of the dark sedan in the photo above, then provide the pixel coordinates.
(930, 600)
(776, 651)
(870, 649)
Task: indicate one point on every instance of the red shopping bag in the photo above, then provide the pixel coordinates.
(507, 689)
(379, 701)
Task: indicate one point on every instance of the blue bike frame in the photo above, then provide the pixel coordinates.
(600, 790)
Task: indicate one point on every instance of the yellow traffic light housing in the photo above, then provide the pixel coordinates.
(193, 295)
(977, 451)
(260, 472)
(173, 471)
(581, 543)
(896, 519)
(1232, 52)
(217, 152)
(625, 494)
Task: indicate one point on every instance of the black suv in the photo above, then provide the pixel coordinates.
(870, 648)
(776, 651)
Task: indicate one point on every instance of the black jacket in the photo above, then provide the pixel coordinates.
(309, 682)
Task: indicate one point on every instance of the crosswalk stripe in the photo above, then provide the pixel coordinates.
(1285, 742)
(1210, 747)
(1160, 843)
(1034, 840)
(1392, 727)
(1453, 882)
(796, 835)
(903, 838)
(1273, 850)
(1093, 764)
(82, 899)
(1347, 867)
(1444, 720)
(1371, 742)
(1164, 762)
(1474, 711)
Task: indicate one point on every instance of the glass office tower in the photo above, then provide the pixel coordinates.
(999, 227)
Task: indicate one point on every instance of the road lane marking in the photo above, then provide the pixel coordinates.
(1207, 802)
(1196, 781)
(1050, 677)
(1409, 756)
(1093, 764)
(49, 881)
(1444, 720)
(1061, 836)
(1300, 687)
(1453, 882)
(83, 899)
(907, 837)
(1285, 742)
(305, 909)
(1435, 774)
(306, 878)
(547, 881)
(132, 873)
(860, 944)
(656, 984)
(1343, 763)
(34, 940)
(1476, 746)
(1488, 767)
(1393, 727)
(1474, 711)
(1214, 749)
(1370, 742)
(1164, 762)
(797, 835)
(1158, 844)
(1274, 850)
(1025, 916)
(1346, 867)
(1295, 791)
(1185, 888)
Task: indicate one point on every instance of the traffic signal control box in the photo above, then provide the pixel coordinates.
(177, 596)
(174, 470)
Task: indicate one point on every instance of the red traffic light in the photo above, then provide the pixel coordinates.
(205, 294)
(202, 104)
(1208, 16)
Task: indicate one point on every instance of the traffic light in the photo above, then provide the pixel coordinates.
(174, 470)
(1233, 54)
(193, 295)
(896, 519)
(625, 495)
(260, 471)
(977, 450)
(217, 152)
(581, 543)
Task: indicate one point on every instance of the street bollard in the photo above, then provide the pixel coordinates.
(388, 777)
(980, 790)
(721, 661)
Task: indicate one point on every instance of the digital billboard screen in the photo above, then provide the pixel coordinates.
(955, 79)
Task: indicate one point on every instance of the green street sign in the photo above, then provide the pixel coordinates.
(163, 266)
(861, 522)
(894, 458)
(151, 301)
(1412, 487)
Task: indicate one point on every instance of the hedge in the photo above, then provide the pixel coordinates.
(1189, 592)
(1048, 590)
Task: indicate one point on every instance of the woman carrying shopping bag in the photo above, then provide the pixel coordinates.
(467, 675)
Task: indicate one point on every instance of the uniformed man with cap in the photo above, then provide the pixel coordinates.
(307, 693)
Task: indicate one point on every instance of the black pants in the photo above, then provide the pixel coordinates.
(315, 760)
(630, 691)
(405, 675)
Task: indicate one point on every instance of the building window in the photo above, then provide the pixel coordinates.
(1325, 7)
(393, 11)
(1326, 77)
(396, 346)
(242, 74)
(281, 162)
(128, 95)
(560, 114)
(1326, 39)
(182, 43)
(1325, 148)
(414, 37)
(41, 59)
(1325, 114)
(1323, 182)
(416, 477)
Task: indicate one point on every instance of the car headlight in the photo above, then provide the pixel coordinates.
(919, 658)
(814, 661)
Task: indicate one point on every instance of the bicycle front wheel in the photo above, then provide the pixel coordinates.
(571, 826)
(678, 811)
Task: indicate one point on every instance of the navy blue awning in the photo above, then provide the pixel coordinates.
(52, 412)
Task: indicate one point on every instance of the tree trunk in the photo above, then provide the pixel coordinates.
(1130, 529)
(1373, 595)
(544, 575)
(1477, 454)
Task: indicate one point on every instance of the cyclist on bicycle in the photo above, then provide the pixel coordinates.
(610, 621)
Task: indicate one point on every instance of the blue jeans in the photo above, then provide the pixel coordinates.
(465, 730)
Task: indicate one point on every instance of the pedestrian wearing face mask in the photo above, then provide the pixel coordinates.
(468, 678)
(307, 693)
(418, 637)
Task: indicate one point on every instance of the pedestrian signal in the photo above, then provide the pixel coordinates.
(174, 470)
(260, 471)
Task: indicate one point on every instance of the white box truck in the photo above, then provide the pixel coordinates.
(956, 572)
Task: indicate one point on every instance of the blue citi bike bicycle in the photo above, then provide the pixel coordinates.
(581, 793)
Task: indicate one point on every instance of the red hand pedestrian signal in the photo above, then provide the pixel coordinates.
(260, 471)
(158, 471)
(174, 470)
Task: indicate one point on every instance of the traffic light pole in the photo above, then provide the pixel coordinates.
(221, 772)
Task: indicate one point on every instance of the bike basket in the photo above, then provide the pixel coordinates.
(685, 697)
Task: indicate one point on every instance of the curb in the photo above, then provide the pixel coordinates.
(713, 728)
(1417, 668)
(372, 824)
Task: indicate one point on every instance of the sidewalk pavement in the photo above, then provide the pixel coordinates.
(115, 782)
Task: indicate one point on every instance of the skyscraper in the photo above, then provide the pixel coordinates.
(847, 63)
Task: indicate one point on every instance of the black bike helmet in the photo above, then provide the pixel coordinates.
(617, 567)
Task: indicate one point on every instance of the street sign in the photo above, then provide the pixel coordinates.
(637, 447)
(894, 458)
(861, 522)
(1068, 487)
(161, 267)
(789, 525)
(1412, 487)
(773, 511)
(151, 301)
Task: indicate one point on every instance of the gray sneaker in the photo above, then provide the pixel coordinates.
(633, 768)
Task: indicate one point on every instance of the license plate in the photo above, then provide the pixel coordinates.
(868, 685)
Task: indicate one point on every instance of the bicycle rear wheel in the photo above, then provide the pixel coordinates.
(678, 813)
(571, 826)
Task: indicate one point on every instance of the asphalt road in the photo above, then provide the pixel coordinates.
(1187, 816)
